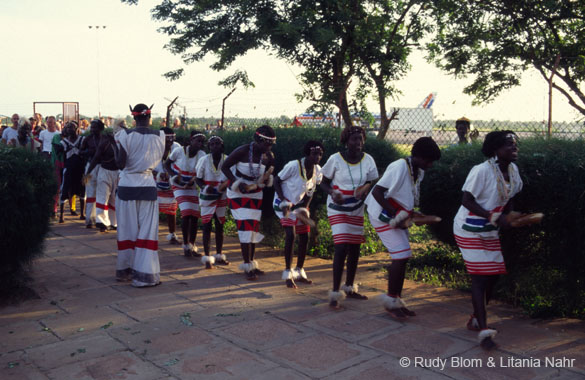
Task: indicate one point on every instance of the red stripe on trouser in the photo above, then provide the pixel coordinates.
(147, 244)
(111, 207)
(102, 206)
(126, 244)
(140, 243)
(206, 218)
(90, 200)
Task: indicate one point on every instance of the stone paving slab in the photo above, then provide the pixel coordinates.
(17, 366)
(221, 360)
(263, 334)
(386, 368)
(124, 365)
(83, 347)
(26, 333)
(88, 319)
(215, 324)
(352, 326)
(320, 355)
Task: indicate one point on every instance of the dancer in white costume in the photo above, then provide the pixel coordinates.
(107, 183)
(390, 205)
(140, 150)
(183, 161)
(212, 200)
(167, 204)
(88, 148)
(294, 187)
(245, 168)
(488, 195)
(344, 174)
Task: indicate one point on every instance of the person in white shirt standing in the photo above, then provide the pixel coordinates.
(294, 187)
(46, 137)
(10, 135)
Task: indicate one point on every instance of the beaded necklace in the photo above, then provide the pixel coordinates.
(504, 192)
(351, 176)
(415, 185)
(219, 165)
(254, 174)
(303, 169)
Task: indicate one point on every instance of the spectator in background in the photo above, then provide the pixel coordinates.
(462, 127)
(58, 161)
(39, 119)
(26, 140)
(70, 147)
(177, 124)
(46, 137)
(9, 135)
(83, 125)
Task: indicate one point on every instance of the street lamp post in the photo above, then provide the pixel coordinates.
(97, 28)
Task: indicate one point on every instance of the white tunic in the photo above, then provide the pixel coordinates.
(294, 181)
(476, 238)
(184, 165)
(401, 189)
(347, 219)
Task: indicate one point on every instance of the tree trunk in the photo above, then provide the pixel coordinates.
(344, 110)
(384, 121)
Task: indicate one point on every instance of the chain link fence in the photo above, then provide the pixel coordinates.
(407, 127)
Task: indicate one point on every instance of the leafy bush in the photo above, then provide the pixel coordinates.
(27, 187)
(438, 264)
(545, 262)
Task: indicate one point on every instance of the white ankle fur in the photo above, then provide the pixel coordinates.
(390, 303)
(350, 288)
(336, 296)
(208, 259)
(287, 274)
(220, 257)
(299, 273)
(486, 333)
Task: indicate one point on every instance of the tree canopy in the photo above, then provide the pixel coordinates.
(333, 41)
(495, 41)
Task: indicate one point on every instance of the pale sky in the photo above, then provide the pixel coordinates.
(50, 54)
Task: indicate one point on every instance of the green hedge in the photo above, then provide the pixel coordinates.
(545, 262)
(27, 187)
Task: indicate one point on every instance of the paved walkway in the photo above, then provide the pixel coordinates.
(213, 324)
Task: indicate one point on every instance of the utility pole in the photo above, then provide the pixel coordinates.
(169, 108)
(97, 39)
